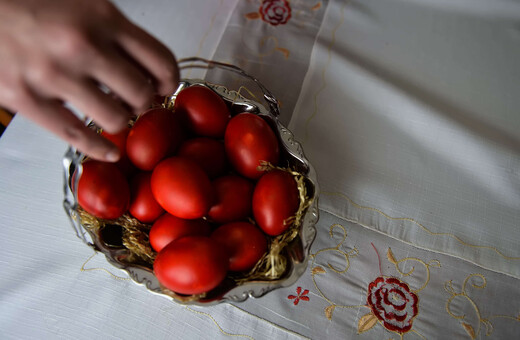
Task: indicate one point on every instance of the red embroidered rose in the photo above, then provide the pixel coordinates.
(275, 12)
(393, 303)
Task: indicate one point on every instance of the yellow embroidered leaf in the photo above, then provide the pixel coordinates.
(329, 310)
(469, 329)
(253, 15)
(489, 326)
(434, 263)
(390, 256)
(366, 322)
(317, 6)
(284, 51)
(318, 270)
(448, 286)
(354, 252)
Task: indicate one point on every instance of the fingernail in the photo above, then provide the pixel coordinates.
(112, 156)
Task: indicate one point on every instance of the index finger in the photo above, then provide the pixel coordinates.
(55, 117)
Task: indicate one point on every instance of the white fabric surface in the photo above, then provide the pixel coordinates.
(399, 127)
(417, 107)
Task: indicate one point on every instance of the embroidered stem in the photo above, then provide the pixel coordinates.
(378, 258)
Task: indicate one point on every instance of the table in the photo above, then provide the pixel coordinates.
(407, 109)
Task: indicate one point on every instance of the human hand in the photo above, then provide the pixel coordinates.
(55, 52)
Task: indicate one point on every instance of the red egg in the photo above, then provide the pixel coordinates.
(156, 134)
(209, 153)
(103, 190)
(275, 200)
(233, 197)
(191, 265)
(143, 205)
(182, 188)
(205, 112)
(249, 140)
(169, 228)
(244, 243)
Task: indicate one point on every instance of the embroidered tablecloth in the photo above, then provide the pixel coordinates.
(409, 112)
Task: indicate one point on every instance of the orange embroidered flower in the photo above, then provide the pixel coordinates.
(300, 296)
(275, 12)
(393, 303)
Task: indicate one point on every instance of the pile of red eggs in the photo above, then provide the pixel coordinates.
(196, 175)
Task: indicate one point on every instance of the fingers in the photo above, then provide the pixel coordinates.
(53, 116)
(53, 81)
(106, 110)
(152, 55)
(123, 77)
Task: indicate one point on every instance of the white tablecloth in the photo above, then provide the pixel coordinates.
(409, 112)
